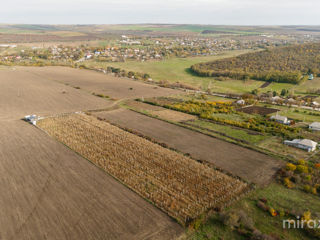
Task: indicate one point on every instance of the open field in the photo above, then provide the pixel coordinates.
(23, 92)
(247, 164)
(171, 115)
(178, 185)
(172, 70)
(27, 37)
(183, 28)
(244, 135)
(240, 86)
(50, 192)
(178, 70)
(308, 85)
(163, 113)
(91, 81)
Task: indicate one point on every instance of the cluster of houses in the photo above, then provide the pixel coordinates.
(228, 43)
(305, 144)
(141, 49)
(308, 101)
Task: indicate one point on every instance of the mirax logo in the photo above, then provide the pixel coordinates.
(300, 223)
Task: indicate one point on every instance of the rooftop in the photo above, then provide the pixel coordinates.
(315, 124)
(278, 117)
(304, 142)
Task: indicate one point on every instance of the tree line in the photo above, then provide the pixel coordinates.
(291, 64)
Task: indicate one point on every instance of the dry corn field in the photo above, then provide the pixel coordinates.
(180, 186)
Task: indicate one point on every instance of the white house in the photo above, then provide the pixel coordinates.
(304, 144)
(315, 126)
(276, 98)
(310, 77)
(241, 102)
(280, 119)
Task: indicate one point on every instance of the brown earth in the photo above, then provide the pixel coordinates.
(245, 163)
(258, 110)
(141, 106)
(28, 38)
(266, 84)
(50, 192)
(23, 93)
(160, 112)
(96, 82)
(171, 115)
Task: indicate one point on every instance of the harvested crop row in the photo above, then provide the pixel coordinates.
(178, 185)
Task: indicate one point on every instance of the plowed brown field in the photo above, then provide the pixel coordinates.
(50, 192)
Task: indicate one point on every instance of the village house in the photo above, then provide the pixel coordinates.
(281, 119)
(290, 101)
(276, 99)
(315, 126)
(240, 102)
(310, 77)
(304, 144)
(88, 56)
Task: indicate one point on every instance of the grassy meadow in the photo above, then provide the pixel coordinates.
(233, 132)
(178, 70)
(278, 197)
(174, 69)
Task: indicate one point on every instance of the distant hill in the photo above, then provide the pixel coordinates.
(284, 64)
(213, 32)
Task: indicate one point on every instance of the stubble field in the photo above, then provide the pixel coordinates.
(96, 82)
(24, 92)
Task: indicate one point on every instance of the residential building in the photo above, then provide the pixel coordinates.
(280, 119)
(310, 77)
(315, 126)
(304, 144)
(241, 102)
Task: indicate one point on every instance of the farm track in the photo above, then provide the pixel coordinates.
(248, 164)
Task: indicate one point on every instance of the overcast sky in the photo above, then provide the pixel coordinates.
(235, 12)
